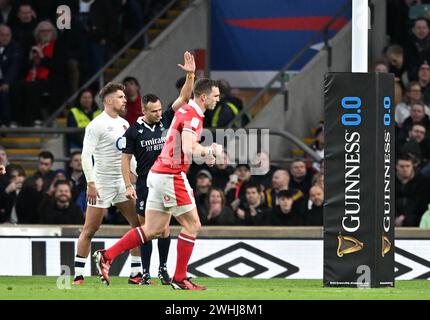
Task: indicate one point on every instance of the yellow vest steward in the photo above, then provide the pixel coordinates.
(81, 118)
(215, 118)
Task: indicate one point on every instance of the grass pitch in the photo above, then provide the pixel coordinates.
(45, 288)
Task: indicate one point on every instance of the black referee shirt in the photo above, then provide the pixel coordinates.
(145, 141)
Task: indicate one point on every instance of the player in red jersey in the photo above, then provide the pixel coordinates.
(169, 190)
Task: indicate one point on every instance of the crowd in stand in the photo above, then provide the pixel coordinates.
(225, 195)
(228, 194)
(41, 65)
(408, 58)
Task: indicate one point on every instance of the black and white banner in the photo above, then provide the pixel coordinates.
(263, 259)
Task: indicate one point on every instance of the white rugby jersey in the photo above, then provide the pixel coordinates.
(103, 140)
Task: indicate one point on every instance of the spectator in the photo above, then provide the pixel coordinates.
(301, 178)
(221, 172)
(318, 180)
(43, 177)
(9, 195)
(314, 216)
(226, 110)
(398, 24)
(100, 27)
(8, 11)
(23, 27)
(218, 213)
(71, 43)
(203, 185)
(411, 193)
(418, 47)
(263, 170)
(76, 175)
(80, 116)
(253, 212)
(4, 178)
(23, 199)
(132, 19)
(235, 189)
(413, 95)
(10, 65)
(417, 116)
(424, 81)
(380, 66)
(134, 100)
(59, 174)
(396, 58)
(286, 213)
(60, 209)
(416, 145)
(43, 85)
(280, 181)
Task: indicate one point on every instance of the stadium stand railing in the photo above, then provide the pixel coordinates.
(148, 33)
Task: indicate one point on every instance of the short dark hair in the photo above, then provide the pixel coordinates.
(46, 155)
(418, 124)
(62, 181)
(147, 98)
(253, 185)
(131, 79)
(109, 88)
(286, 194)
(16, 167)
(74, 153)
(394, 49)
(298, 160)
(421, 19)
(204, 86)
(405, 157)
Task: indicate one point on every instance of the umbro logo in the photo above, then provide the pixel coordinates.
(243, 260)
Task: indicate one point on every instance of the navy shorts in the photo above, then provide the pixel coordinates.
(142, 195)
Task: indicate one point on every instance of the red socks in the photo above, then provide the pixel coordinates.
(184, 251)
(130, 240)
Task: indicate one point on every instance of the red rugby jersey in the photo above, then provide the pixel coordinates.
(171, 159)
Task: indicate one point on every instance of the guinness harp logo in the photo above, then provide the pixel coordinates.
(386, 245)
(347, 245)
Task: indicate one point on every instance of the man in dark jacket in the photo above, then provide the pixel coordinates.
(10, 66)
(411, 193)
(288, 212)
(253, 212)
(60, 209)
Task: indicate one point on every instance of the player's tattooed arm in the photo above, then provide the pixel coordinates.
(189, 67)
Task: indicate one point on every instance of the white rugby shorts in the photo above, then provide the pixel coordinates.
(110, 192)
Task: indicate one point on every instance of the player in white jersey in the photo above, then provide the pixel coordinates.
(103, 142)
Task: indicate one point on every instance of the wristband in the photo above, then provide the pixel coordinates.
(129, 186)
(190, 75)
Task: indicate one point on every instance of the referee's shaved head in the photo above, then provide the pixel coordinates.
(149, 98)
